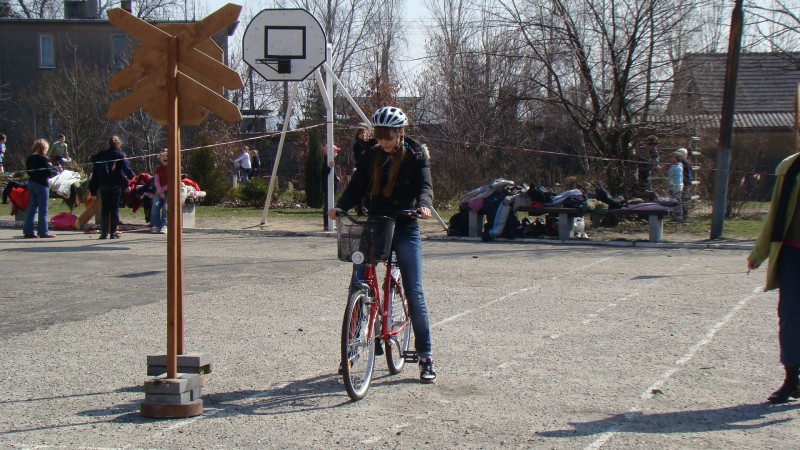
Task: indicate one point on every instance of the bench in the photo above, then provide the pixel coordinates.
(188, 212)
(655, 219)
(565, 216)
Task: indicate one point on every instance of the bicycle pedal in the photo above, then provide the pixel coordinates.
(410, 356)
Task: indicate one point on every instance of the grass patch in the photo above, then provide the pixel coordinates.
(743, 227)
(204, 212)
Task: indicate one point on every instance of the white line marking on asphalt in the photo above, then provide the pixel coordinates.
(591, 317)
(696, 347)
(680, 362)
(511, 294)
(371, 440)
(485, 305)
(603, 438)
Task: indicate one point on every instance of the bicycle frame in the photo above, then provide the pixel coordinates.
(382, 306)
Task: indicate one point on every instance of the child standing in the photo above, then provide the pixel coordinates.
(158, 212)
(675, 176)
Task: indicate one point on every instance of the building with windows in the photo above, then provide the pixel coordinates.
(764, 117)
(35, 51)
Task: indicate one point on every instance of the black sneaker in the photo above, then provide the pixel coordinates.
(427, 374)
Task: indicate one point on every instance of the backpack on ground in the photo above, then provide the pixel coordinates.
(459, 224)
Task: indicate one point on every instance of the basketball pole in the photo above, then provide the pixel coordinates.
(285, 128)
(329, 131)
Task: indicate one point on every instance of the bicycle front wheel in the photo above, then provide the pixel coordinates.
(358, 345)
(397, 346)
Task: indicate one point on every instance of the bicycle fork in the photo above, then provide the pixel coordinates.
(395, 299)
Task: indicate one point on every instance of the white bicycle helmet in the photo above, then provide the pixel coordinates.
(389, 117)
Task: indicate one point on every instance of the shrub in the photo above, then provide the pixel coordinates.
(253, 193)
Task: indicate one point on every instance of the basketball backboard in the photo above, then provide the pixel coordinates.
(284, 44)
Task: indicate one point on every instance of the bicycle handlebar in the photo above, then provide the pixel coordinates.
(405, 213)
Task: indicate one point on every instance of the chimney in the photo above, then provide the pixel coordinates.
(81, 9)
(126, 5)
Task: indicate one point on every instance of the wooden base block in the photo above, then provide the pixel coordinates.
(191, 409)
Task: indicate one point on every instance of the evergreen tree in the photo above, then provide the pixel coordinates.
(313, 170)
(204, 168)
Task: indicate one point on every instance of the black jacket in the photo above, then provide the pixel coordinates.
(413, 188)
(39, 169)
(110, 168)
(360, 148)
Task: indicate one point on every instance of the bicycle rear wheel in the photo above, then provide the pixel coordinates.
(358, 345)
(397, 346)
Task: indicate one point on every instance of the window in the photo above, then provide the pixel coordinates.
(119, 47)
(46, 51)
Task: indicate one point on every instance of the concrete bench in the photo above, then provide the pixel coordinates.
(188, 211)
(655, 219)
(565, 216)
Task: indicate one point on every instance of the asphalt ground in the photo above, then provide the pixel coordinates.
(536, 346)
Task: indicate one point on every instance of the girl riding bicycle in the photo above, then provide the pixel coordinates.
(396, 175)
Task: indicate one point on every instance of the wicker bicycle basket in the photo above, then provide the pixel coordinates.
(356, 237)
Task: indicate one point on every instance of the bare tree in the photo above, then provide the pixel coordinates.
(72, 101)
(36, 9)
(775, 24)
(471, 110)
(603, 64)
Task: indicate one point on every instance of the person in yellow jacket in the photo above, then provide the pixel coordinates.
(779, 240)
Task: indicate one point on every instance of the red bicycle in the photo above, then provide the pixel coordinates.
(371, 315)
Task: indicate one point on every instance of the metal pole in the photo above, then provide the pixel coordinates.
(726, 122)
(347, 95)
(329, 131)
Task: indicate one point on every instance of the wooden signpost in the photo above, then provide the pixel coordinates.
(177, 75)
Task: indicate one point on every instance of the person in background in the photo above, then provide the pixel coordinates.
(2, 150)
(675, 177)
(396, 174)
(688, 177)
(243, 166)
(779, 241)
(255, 164)
(158, 211)
(59, 152)
(362, 141)
(110, 174)
(39, 172)
(648, 158)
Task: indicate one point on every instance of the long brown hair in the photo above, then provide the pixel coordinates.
(397, 160)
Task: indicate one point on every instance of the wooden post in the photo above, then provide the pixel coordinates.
(726, 122)
(173, 160)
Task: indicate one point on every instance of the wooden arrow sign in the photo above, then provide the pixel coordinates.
(176, 74)
(200, 62)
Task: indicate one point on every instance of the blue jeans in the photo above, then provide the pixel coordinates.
(158, 212)
(789, 306)
(408, 246)
(39, 195)
(242, 174)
